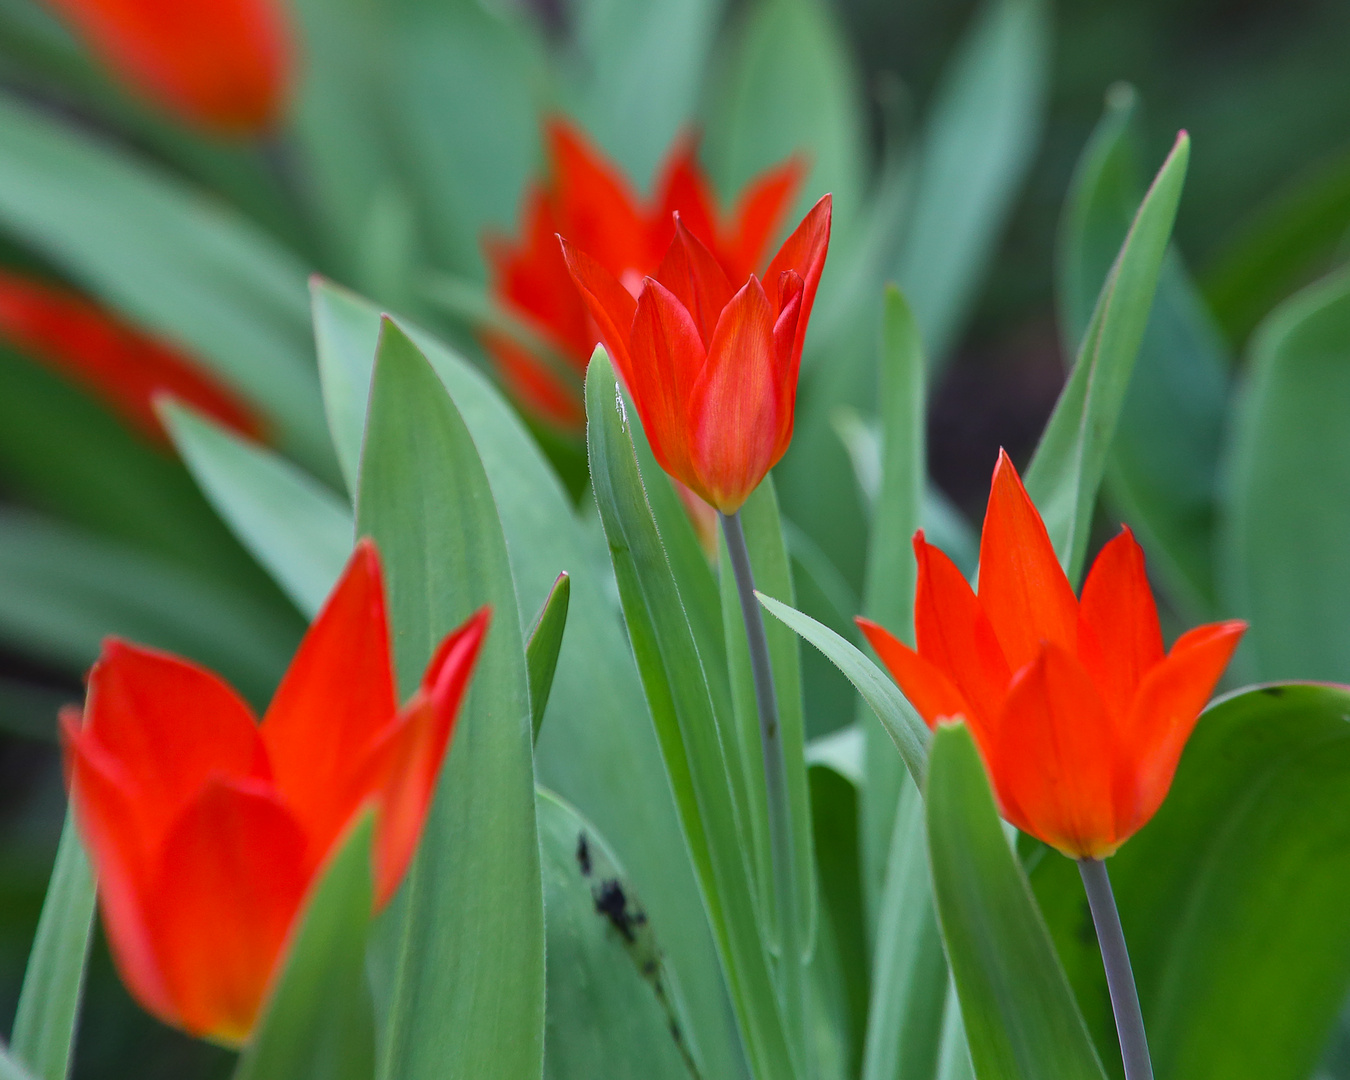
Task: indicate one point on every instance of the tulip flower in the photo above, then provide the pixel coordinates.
(208, 830)
(591, 203)
(221, 65)
(121, 366)
(1079, 714)
(712, 369)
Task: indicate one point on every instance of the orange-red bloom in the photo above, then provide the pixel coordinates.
(222, 65)
(711, 368)
(1079, 715)
(207, 830)
(591, 203)
(118, 364)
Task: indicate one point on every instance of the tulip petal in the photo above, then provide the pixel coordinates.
(667, 358)
(1055, 752)
(1022, 587)
(737, 405)
(168, 724)
(594, 201)
(691, 272)
(231, 876)
(804, 251)
(337, 697)
(1164, 712)
(934, 696)
(1119, 639)
(683, 189)
(759, 214)
(610, 304)
(955, 636)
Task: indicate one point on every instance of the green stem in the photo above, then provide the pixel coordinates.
(781, 844)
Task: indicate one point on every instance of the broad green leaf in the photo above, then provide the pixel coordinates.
(682, 709)
(48, 1012)
(597, 747)
(1021, 1020)
(542, 645)
(1282, 539)
(613, 1009)
(318, 1021)
(460, 952)
(1070, 461)
(174, 260)
(1232, 898)
(62, 591)
(294, 526)
(1163, 466)
(977, 145)
(902, 723)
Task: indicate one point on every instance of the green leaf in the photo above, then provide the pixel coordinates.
(612, 1007)
(294, 526)
(1232, 896)
(1070, 461)
(597, 747)
(62, 591)
(48, 1012)
(901, 722)
(542, 645)
(682, 709)
(173, 260)
(10, 1069)
(318, 1021)
(1163, 465)
(460, 953)
(1020, 1016)
(978, 143)
(1282, 541)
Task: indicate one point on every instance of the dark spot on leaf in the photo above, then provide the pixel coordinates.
(612, 902)
(583, 855)
(1273, 691)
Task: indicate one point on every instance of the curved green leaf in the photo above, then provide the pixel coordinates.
(542, 645)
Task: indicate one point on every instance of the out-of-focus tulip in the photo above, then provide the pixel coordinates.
(208, 830)
(121, 366)
(1080, 715)
(591, 203)
(712, 368)
(221, 65)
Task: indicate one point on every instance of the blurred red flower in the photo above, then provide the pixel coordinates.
(711, 368)
(1079, 714)
(207, 830)
(221, 65)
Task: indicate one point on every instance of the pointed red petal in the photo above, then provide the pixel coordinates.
(683, 189)
(690, 271)
(231, 876)
(1053, 768)
(736, 406)
(804, 251)
(1163, 715)
(934, 696)
(610, 304)
(1119, 639)
(667, 359)
(759, 215)
(596, 208)
(1022, 588)
(337, 697)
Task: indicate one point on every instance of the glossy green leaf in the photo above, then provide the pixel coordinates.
(1163, 466)
(671, 667)
(597, 747)
(978, 143)
(460, 953)
(1021, 1020)
(62, 591)
(613, 1009)
(48, 1012)
(318, 1020)
(1232, 898)
(542, 645)
(907, 731)
(1282, 542)
(173, 260)
(294, 526)
(1070, 461)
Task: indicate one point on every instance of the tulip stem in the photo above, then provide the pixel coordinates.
(1119, 976)
(775, 778)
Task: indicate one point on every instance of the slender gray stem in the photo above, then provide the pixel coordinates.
(775, 776)
(1119, 976)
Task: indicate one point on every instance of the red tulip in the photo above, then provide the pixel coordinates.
(1079, 714)
(118, 364)
(222, 65)
(208, 831)
(591, 203)
(712, 369)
